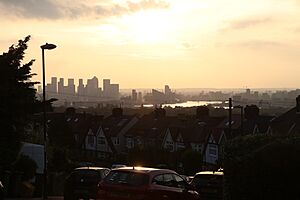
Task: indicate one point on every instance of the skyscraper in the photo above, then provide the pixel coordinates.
(80, 88)
(106, 87)
(134, 95)
(60, 86)
(71, 87)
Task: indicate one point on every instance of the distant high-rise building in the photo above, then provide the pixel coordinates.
(54, 84)
(140, 97)
(92, 89)
(248, 91)
(60, 86)
(80, 88)
(51, 88)
(167, 90)
(106, 87)
(114, 91)
(71, 87)
(134, 95)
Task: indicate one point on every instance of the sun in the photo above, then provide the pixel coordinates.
(149, 27)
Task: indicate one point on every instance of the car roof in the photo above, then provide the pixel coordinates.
(145, 170)
(210, 173)
(90, 168)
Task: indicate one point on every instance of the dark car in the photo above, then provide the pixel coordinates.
(140, 183)
(209, 184)
(83, 181)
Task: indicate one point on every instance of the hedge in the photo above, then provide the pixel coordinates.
(262, 167)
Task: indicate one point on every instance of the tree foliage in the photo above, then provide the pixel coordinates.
(192, 162)
(27, 166)
(262, 167)
(17, 99)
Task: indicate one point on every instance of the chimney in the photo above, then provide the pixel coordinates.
(202, 112)
(251, 112)
(117, 112)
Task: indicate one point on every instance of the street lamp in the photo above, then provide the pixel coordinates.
(45, 47)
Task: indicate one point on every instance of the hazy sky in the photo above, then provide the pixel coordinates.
(150, 43)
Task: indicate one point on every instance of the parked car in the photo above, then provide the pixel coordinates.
(209, 184)
(115, 166)
(140, 183)
(83, 181)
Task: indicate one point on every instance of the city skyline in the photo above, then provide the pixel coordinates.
(150, 43)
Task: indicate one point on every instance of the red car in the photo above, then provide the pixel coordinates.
(140, 183)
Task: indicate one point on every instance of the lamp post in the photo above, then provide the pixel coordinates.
(230, 115)
(45, 47)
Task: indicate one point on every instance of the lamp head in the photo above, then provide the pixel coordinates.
(48, 46)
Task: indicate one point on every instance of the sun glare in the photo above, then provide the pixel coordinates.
(149, 27)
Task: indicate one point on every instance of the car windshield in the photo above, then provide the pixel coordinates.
(127, 178)
(203, 180)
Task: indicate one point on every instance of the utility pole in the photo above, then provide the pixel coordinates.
(230, 116)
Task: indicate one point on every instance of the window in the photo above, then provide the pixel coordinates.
(180, 182)
(129, 143)
(117, 141)
(127, 178)
(101, 140)
(169, 146)
(197, 147)
(158, 180)
(168, 180)
(212, 150)
(91, 140)
(104, 173)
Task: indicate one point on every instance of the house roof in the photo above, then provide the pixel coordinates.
(112, 125)
(217, 134)
(77, 123)
(197, 131)
(235, 122)
(150, 126)
(285, 123)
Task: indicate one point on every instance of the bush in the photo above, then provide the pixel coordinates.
(262, 167)
(192, 162)
(27, 166)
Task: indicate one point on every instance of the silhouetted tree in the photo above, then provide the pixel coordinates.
(27, 166)
(192, 162)
(17, 99)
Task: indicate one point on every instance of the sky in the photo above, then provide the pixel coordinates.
(150, 43)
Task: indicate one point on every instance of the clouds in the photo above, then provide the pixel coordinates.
(54, 9)
(261, 44)
(31, 8)
(247, 23)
